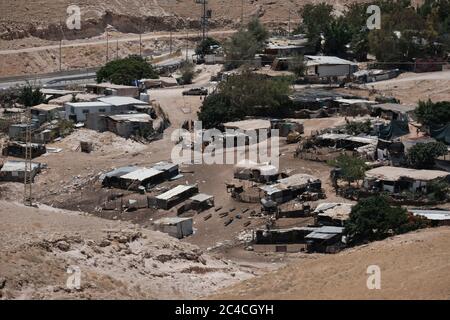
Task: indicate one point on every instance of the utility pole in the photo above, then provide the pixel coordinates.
(107, 45)
(117, 49)
(140, 43)
(187, 45)
(242, 13)
(204, 18)
(170, 41)
(289, 23)
(60, 45)
(60, 55)
(28, 172)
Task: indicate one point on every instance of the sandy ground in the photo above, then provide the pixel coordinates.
(410, 87)
(117, 260)
(413, 266)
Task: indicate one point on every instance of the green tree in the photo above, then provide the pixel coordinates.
(246, 94)
(30, 97)
(429, 113)
(423, 155)
(187, 72)
(204, 47)
(240, 49)
(351, 168)
(337, 36)
(125, 71)
(258, 31)
(297, 65)
(315, 19)
(374, 219)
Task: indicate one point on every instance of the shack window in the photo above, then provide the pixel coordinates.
(102, 110)
(85, 111)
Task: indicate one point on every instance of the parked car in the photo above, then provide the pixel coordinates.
(196, 92)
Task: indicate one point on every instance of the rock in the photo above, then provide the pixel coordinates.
(63, 245)
(104, 243)
(2, 282)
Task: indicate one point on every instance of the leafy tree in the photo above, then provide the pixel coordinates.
(374, 219)
(357, 127)
(258, 31)
(240, 49)
(125, 71)
(297, 65)
(429, 113)
(204, 46)
(351, 168)
(438, 190)
(315, 19)
(337, 35)
(187, 72)
(242, 95)
(30, 97)
(423, 155)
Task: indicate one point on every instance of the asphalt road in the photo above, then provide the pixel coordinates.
(71, 77)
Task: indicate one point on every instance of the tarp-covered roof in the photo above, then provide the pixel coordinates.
(395, 129)
(441, 133)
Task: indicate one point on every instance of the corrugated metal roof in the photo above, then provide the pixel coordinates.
(120, 171)
(174, 192)
(91, 104)
(330, 60)
(171, 220)
(432, 214)
(121, 101)
(334, 210)
(16, 166)
(141, 174)
(164, 166)
(201, 197)
(132, 117)
(396, 173)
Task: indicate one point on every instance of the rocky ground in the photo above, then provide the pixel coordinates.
(117, 260)
(413, 266)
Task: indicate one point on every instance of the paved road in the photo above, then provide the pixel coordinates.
(176, 35)
(73, 76)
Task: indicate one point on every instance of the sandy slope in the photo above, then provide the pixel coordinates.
(117, 260)
(413, 266)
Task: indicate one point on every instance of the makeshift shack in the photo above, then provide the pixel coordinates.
(14, 171)
(173, 197)
(288, 188)
(18, 149)
(174, 226)
(332, 214)
(326, 239)
(249, 170)
(395, 179)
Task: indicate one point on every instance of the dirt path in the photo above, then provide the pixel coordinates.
(413, 266)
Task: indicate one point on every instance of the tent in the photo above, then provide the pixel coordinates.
(441, 133)
(395, 129)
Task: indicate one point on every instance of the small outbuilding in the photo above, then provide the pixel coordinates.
(175, 196)
(174, 226)
(14, 171)
(396, 179)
